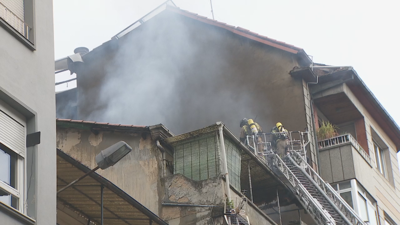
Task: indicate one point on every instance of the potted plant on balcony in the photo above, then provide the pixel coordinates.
(326, 131)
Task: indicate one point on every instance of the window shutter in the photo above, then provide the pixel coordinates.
(15, 6)
(12, 133)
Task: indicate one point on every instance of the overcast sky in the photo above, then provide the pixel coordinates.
(363, 34)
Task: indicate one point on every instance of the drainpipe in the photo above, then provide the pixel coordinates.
(315, 134)
(224, 162)
(162, 149)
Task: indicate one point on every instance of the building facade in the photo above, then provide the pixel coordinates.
(27, 113)
(187, 72)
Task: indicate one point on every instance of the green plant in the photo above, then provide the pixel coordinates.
(229, 204)
(327, 130)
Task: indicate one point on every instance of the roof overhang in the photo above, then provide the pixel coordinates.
(323, 77)
(84, 197)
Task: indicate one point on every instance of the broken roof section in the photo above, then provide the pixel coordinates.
(171, 7)
(84, 197)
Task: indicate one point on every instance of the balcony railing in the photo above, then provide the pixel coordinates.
(14, 21)
(343, 139)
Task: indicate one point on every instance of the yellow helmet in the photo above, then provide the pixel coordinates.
(278, 124)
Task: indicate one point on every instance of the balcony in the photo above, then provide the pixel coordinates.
(343, 140)
(341, 158)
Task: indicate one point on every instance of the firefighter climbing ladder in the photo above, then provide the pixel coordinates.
(316, 196)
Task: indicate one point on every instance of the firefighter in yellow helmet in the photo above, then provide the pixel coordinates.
(249, 127)
(280, 137)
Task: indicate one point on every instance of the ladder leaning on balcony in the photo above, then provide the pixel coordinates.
(317, 197)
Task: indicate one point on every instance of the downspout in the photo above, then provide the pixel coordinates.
(315, 133)
(313, 118)
(224, 162)
(162, 149)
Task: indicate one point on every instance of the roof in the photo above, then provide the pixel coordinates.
(346, 74)
(169, 6)
(158, 131)
(92, 125)
(84, 197)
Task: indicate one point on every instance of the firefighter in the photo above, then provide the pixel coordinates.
(249, 127)
(280, 137)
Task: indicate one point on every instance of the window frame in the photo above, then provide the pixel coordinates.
(20, 187)
(380, 158)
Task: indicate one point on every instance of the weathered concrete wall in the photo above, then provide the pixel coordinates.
(193, 75)
(138, 173)
(181, 190)
(337, 163)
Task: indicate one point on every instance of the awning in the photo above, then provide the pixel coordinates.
(84, 198)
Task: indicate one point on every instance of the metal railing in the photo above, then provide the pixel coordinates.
(339, 202)
(342, 139)
(311, 204)
(262, 143)
(14, 21)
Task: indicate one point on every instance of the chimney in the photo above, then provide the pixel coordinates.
(81, 50)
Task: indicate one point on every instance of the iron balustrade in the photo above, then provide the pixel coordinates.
(343, 139)
(340, 203)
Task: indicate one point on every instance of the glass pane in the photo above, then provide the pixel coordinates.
(8, 199)
(372, 214)
(347, 197)
(362, 208)
(8, 163)
(344, 185)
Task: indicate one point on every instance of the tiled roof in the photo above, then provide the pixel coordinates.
(238, 30)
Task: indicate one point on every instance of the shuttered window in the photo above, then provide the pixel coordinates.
(234, 163)
(12, 133)
(198, 158)
(15, 6)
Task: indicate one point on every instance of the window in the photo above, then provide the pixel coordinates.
(366, 206)
(360, 200)
(17, 17)
(12, 157)
(382, 157)
(388, 220)
(8, 177)
(344, 189)
(380, 160)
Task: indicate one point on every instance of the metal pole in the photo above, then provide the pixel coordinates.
(76, 181)
(225, 162)
(102, 192)
(251, 187)
(212, 11)
(279, 207)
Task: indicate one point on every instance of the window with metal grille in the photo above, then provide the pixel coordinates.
(198, 158)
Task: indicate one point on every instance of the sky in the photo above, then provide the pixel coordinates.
(362, 34)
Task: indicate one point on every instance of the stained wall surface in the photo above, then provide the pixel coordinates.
(138, 173)
(187, 74)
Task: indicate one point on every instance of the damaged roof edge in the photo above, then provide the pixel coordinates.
(169, 5)
(111, 186)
